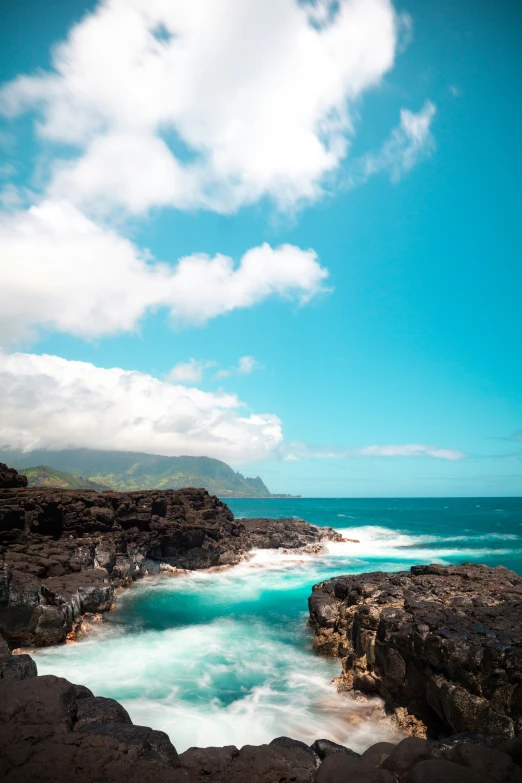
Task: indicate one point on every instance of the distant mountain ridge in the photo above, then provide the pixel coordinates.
(123, 470)
(45, 476)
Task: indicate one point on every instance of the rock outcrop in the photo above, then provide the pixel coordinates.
(52, 731)
(63, 552)
(10, 478)
(441, 645)
(287, 534)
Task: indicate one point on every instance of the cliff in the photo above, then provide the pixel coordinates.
(441, 645)
(63, 552)
(124, 471)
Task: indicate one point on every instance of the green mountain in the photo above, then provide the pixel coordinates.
(125, 470)
(44, 476)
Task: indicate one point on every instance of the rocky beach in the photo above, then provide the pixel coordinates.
(439, 645)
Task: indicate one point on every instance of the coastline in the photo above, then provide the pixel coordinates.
(108, 542)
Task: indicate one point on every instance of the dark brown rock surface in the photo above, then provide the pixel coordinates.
(10, 478)
(52, 731)
(442, 645)
(63, 552)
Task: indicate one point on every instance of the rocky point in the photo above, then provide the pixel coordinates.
(441, 645)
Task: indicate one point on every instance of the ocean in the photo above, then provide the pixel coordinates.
(226, 658)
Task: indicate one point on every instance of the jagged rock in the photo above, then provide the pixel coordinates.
(52, 731)
(442, 645)
(287, 533)
(10, 478)
(62, 552)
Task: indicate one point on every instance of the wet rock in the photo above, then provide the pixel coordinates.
(94, 710)
(441, 644)
(378, 753)
(406, 754)
(324, 748)
(343, 768)
(286, 743)
(150, 745)
(287, 533)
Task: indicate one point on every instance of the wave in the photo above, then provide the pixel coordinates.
(224, 657)
(232, 681)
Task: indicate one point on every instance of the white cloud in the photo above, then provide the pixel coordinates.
(191, 371)
(61, 271)
(297, 451)
(207, 104)
(245, 366)
(412, 450)
(49, 402)
(407, 145)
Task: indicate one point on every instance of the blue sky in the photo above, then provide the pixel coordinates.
(383, 317)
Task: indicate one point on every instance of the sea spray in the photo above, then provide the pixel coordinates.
(225, 657)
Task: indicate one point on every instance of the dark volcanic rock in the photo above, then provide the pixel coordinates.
(52, 731)
(10, 478)
(15, 667)
(62, 552)
(324, 748)
(442, 645)
(287, 533)
(342, 768)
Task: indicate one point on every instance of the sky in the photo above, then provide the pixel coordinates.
(280, 233)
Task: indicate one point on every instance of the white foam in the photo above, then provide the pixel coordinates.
(237, 679)
(176, 680)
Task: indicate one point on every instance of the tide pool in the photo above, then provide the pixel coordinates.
(225, 657)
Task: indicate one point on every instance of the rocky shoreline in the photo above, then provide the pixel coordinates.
(63, 552)
(440, 645)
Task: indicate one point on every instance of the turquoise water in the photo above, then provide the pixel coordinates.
(225, 657)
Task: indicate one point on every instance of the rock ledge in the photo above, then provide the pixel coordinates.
(442, 645)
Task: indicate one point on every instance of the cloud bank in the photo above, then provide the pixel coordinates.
(51, 403)
(61, 271)
(213, 105)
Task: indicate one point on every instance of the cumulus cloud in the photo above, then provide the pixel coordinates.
(49, 402)
(296, 451)
(410, 142)
(64, 272)
(208, 104)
